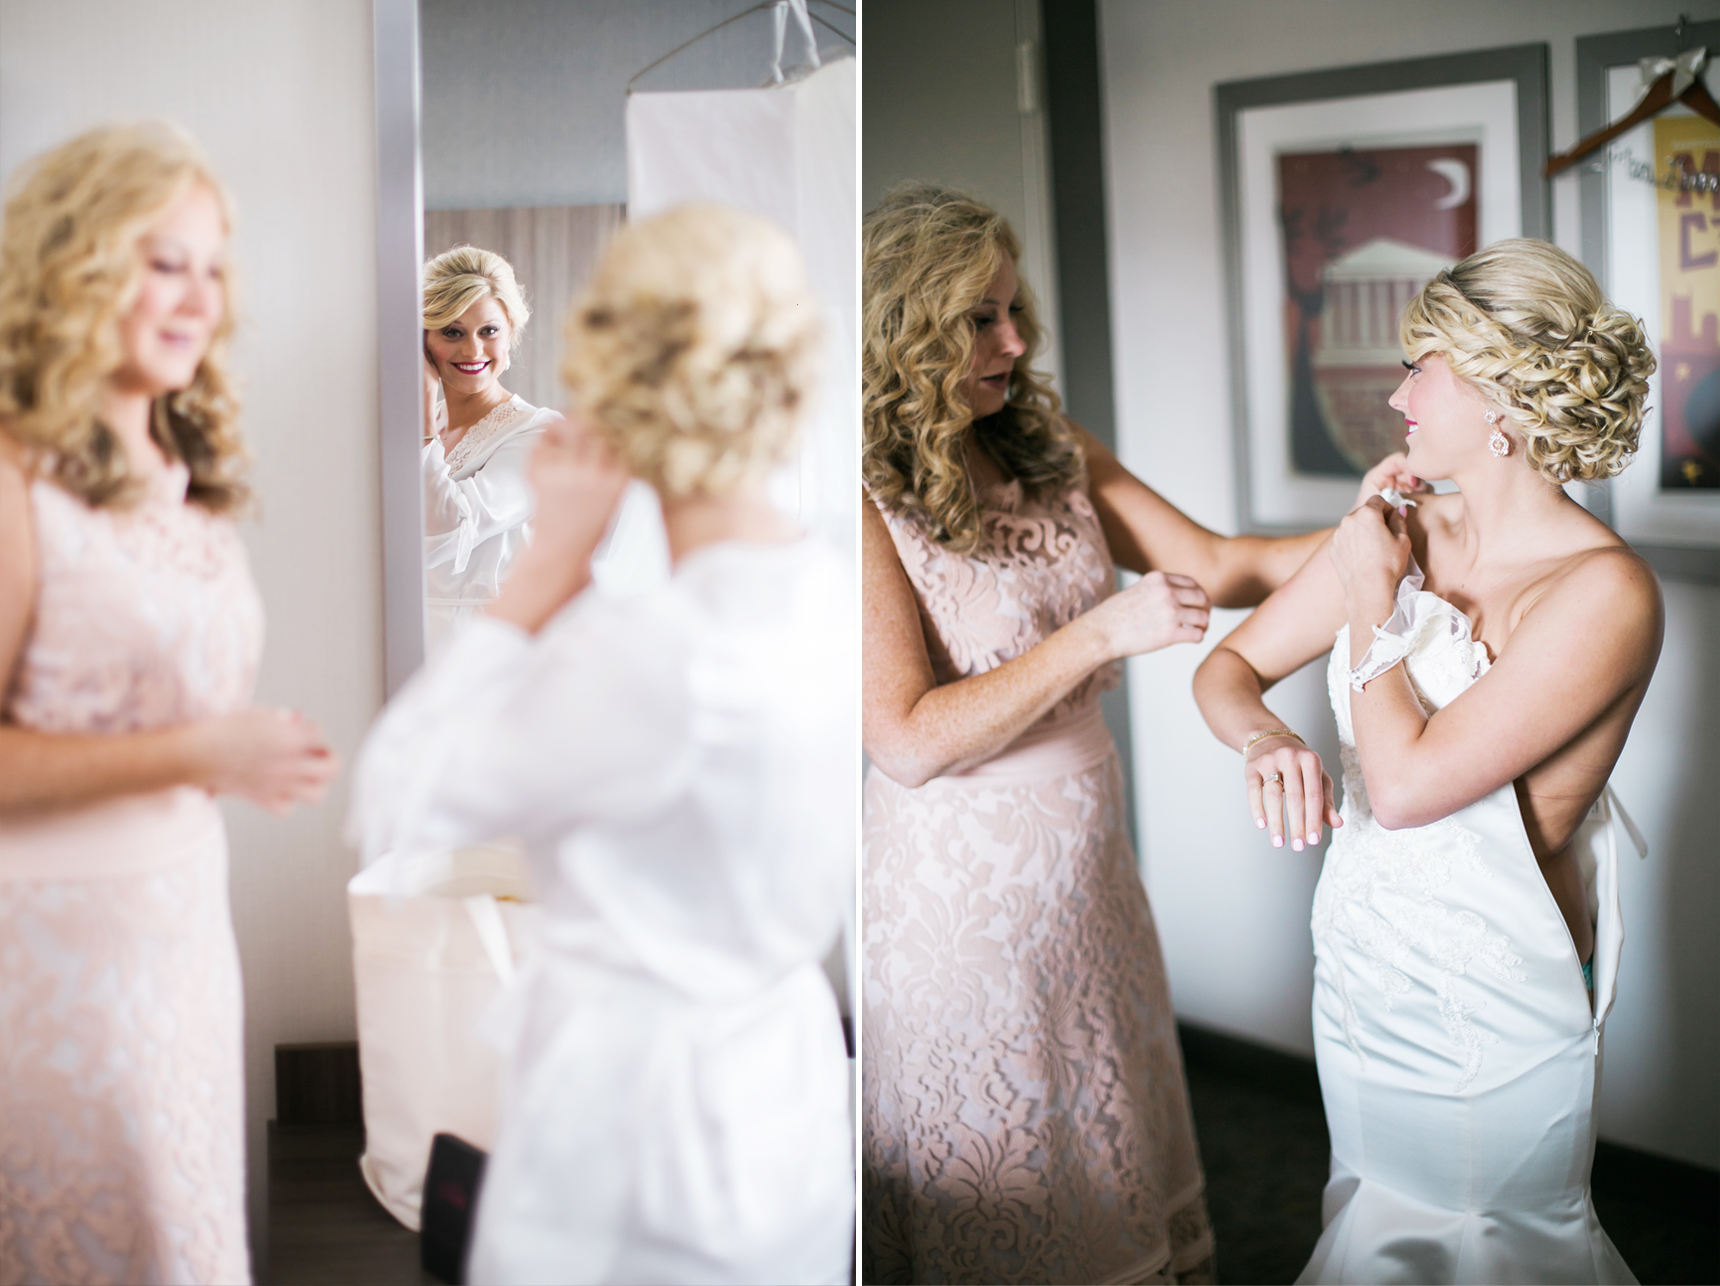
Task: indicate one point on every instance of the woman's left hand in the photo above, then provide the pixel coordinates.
(1371, 551)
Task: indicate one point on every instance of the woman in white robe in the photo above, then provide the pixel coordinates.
(477, 436)
(681, 766)
(1493, 646)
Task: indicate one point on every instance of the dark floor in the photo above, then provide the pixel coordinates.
(325, 1229)
(1263, 1140)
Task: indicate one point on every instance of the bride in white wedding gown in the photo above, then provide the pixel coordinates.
(1493, 646)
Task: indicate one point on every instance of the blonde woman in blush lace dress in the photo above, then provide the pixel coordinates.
(1025, 1116)
(129, 635)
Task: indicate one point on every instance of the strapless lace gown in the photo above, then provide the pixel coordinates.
(1025, 1114)
(1458, 1053)
(121, 1064)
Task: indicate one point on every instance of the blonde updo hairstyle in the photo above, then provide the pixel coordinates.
(1526, 325)
(456, 279)
(695, 349)
(70, 270)
(928, 255)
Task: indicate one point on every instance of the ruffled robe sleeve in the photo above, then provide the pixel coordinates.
(460, 515)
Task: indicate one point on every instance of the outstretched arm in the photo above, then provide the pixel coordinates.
(1147, 532)
(916, 729)
(1294, 626)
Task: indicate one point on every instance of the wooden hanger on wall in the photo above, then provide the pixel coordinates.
(1676, 80)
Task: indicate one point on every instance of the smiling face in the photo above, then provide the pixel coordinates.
(996, 342)
(181, 299)
(1446, 419)
(470, 351)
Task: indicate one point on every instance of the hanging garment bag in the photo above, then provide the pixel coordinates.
(433, 945)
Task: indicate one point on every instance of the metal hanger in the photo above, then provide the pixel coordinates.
(781, 7)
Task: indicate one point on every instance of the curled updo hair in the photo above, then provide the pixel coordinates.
(696, 348)
(929, 254)
(70, 270)
(456, 279)
(1526, 325)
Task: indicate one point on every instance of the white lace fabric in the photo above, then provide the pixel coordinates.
(1025, 1116)
(473, 441)
(121, 1062)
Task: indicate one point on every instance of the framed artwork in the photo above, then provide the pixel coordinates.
(1651, 235)
(1343, 192)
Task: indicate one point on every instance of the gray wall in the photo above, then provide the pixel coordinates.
(1232, 913)
(523, 100)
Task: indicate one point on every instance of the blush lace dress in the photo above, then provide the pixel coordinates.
(1025, 1115)
(121, 1064)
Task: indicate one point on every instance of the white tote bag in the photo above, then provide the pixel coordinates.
(433, 945)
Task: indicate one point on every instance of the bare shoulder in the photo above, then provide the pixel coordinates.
(15, 479)
(1611, 575)
(875, 538)
(1607, 595)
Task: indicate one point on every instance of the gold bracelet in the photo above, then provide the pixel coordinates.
(1262, 736)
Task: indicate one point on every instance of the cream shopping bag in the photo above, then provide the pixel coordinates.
(433, 945)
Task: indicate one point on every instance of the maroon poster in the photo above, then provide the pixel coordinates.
(1363, 229)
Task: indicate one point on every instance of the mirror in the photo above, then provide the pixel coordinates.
(522, 122)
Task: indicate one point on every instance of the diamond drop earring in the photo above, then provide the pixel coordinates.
(1497, 442)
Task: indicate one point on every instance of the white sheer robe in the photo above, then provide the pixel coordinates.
(477, 513)
(681, 767)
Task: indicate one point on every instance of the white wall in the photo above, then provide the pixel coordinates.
(280, 95)
(1232, 912)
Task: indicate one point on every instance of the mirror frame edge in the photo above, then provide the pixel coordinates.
(399, 289)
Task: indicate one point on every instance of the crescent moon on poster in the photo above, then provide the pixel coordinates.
(1455, 173)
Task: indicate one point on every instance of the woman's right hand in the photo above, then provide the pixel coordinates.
(273, 757)
(1285, 779)
(1159, 609)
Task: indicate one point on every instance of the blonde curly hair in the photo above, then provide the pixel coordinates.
(456, 279)
(928, 255)
(695, 349)
(69, 271)
(1527, 326)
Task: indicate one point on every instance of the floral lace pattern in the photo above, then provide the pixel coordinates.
(492, 423)
(145, 616)
(1025, 1113)
(121, 1063)
(1378, 888)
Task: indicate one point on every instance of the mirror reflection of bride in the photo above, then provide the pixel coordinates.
(477, 435)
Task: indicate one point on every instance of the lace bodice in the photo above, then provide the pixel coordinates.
(472, 443)
(1039, 566)
(145, 616)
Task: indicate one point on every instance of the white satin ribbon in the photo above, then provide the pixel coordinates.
(1685, 68)
(803, 20)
